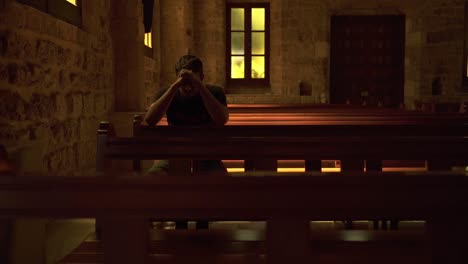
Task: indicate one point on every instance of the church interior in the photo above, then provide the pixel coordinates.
(69, 68)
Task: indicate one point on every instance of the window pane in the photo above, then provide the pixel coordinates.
(237, 43)
(237, 18)
(73, 2)
(258, 67)
(258, 18)
(258, 43)
(237, 67)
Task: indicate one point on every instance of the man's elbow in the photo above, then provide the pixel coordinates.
(224, 119)
(151, 121)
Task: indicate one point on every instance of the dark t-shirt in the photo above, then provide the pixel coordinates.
(190, 110)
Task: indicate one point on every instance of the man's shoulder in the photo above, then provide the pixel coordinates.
(214, 88)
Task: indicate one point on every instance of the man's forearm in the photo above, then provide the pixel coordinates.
(157, 109)
(218, 112)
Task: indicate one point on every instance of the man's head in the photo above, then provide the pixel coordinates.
(195, 66)
(190, 62)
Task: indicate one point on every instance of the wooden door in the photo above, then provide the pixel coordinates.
(367, 60)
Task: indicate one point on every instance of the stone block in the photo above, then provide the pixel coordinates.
(41, 107)
(46, 51)
(74, 101)
(100, 104)
(88, 105)
(322, 49)
(34, 19)
(62, 107)
(16, 46)
(11, 106)
(415, 39)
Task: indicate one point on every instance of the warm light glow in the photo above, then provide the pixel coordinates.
(282, 170)
(258, 19)
(148, 40)
(291, 170)
(331, 169)
(237, 67)
(258, 67)
(237, 19)
(237, 43)
(258, 43)
(287, 170)
(73, 2)
(235, 169)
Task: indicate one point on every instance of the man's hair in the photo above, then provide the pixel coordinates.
(189, 62)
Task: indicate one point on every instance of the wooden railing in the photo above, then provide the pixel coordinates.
(286, 203)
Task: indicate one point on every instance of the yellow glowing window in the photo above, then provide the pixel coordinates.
(73, 2)
(248, 41)
(237, 67)
(148, 40)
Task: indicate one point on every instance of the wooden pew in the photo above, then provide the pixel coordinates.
(345, 108)
(342, 120)
(340, 132)
(286, 203)
(364, 134)
(248, 246)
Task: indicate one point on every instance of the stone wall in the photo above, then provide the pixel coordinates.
(442, 25)
(56, 84)
(150, 80)
(300, 36)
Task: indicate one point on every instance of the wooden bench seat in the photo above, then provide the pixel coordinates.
(249, 245)
(316, 143)
(286, 203)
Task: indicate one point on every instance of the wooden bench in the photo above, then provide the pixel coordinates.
(363, 133)
(248, 246)
(286, 203)
(333, 120)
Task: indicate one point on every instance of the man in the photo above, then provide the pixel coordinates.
(190, 102)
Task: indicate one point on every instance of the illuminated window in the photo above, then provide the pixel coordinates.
(148, 42)
(148, 24)
(67, 10)
(247, 52)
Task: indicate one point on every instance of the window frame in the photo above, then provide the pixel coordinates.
(61, 9)
(248, 80)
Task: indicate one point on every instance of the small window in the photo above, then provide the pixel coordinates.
(248, 43)
(148, 48)
(148, 42)
(148, 23)
(67, 10)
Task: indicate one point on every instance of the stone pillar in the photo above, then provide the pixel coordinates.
(127, 37)
(177, 35)
(209, 39)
